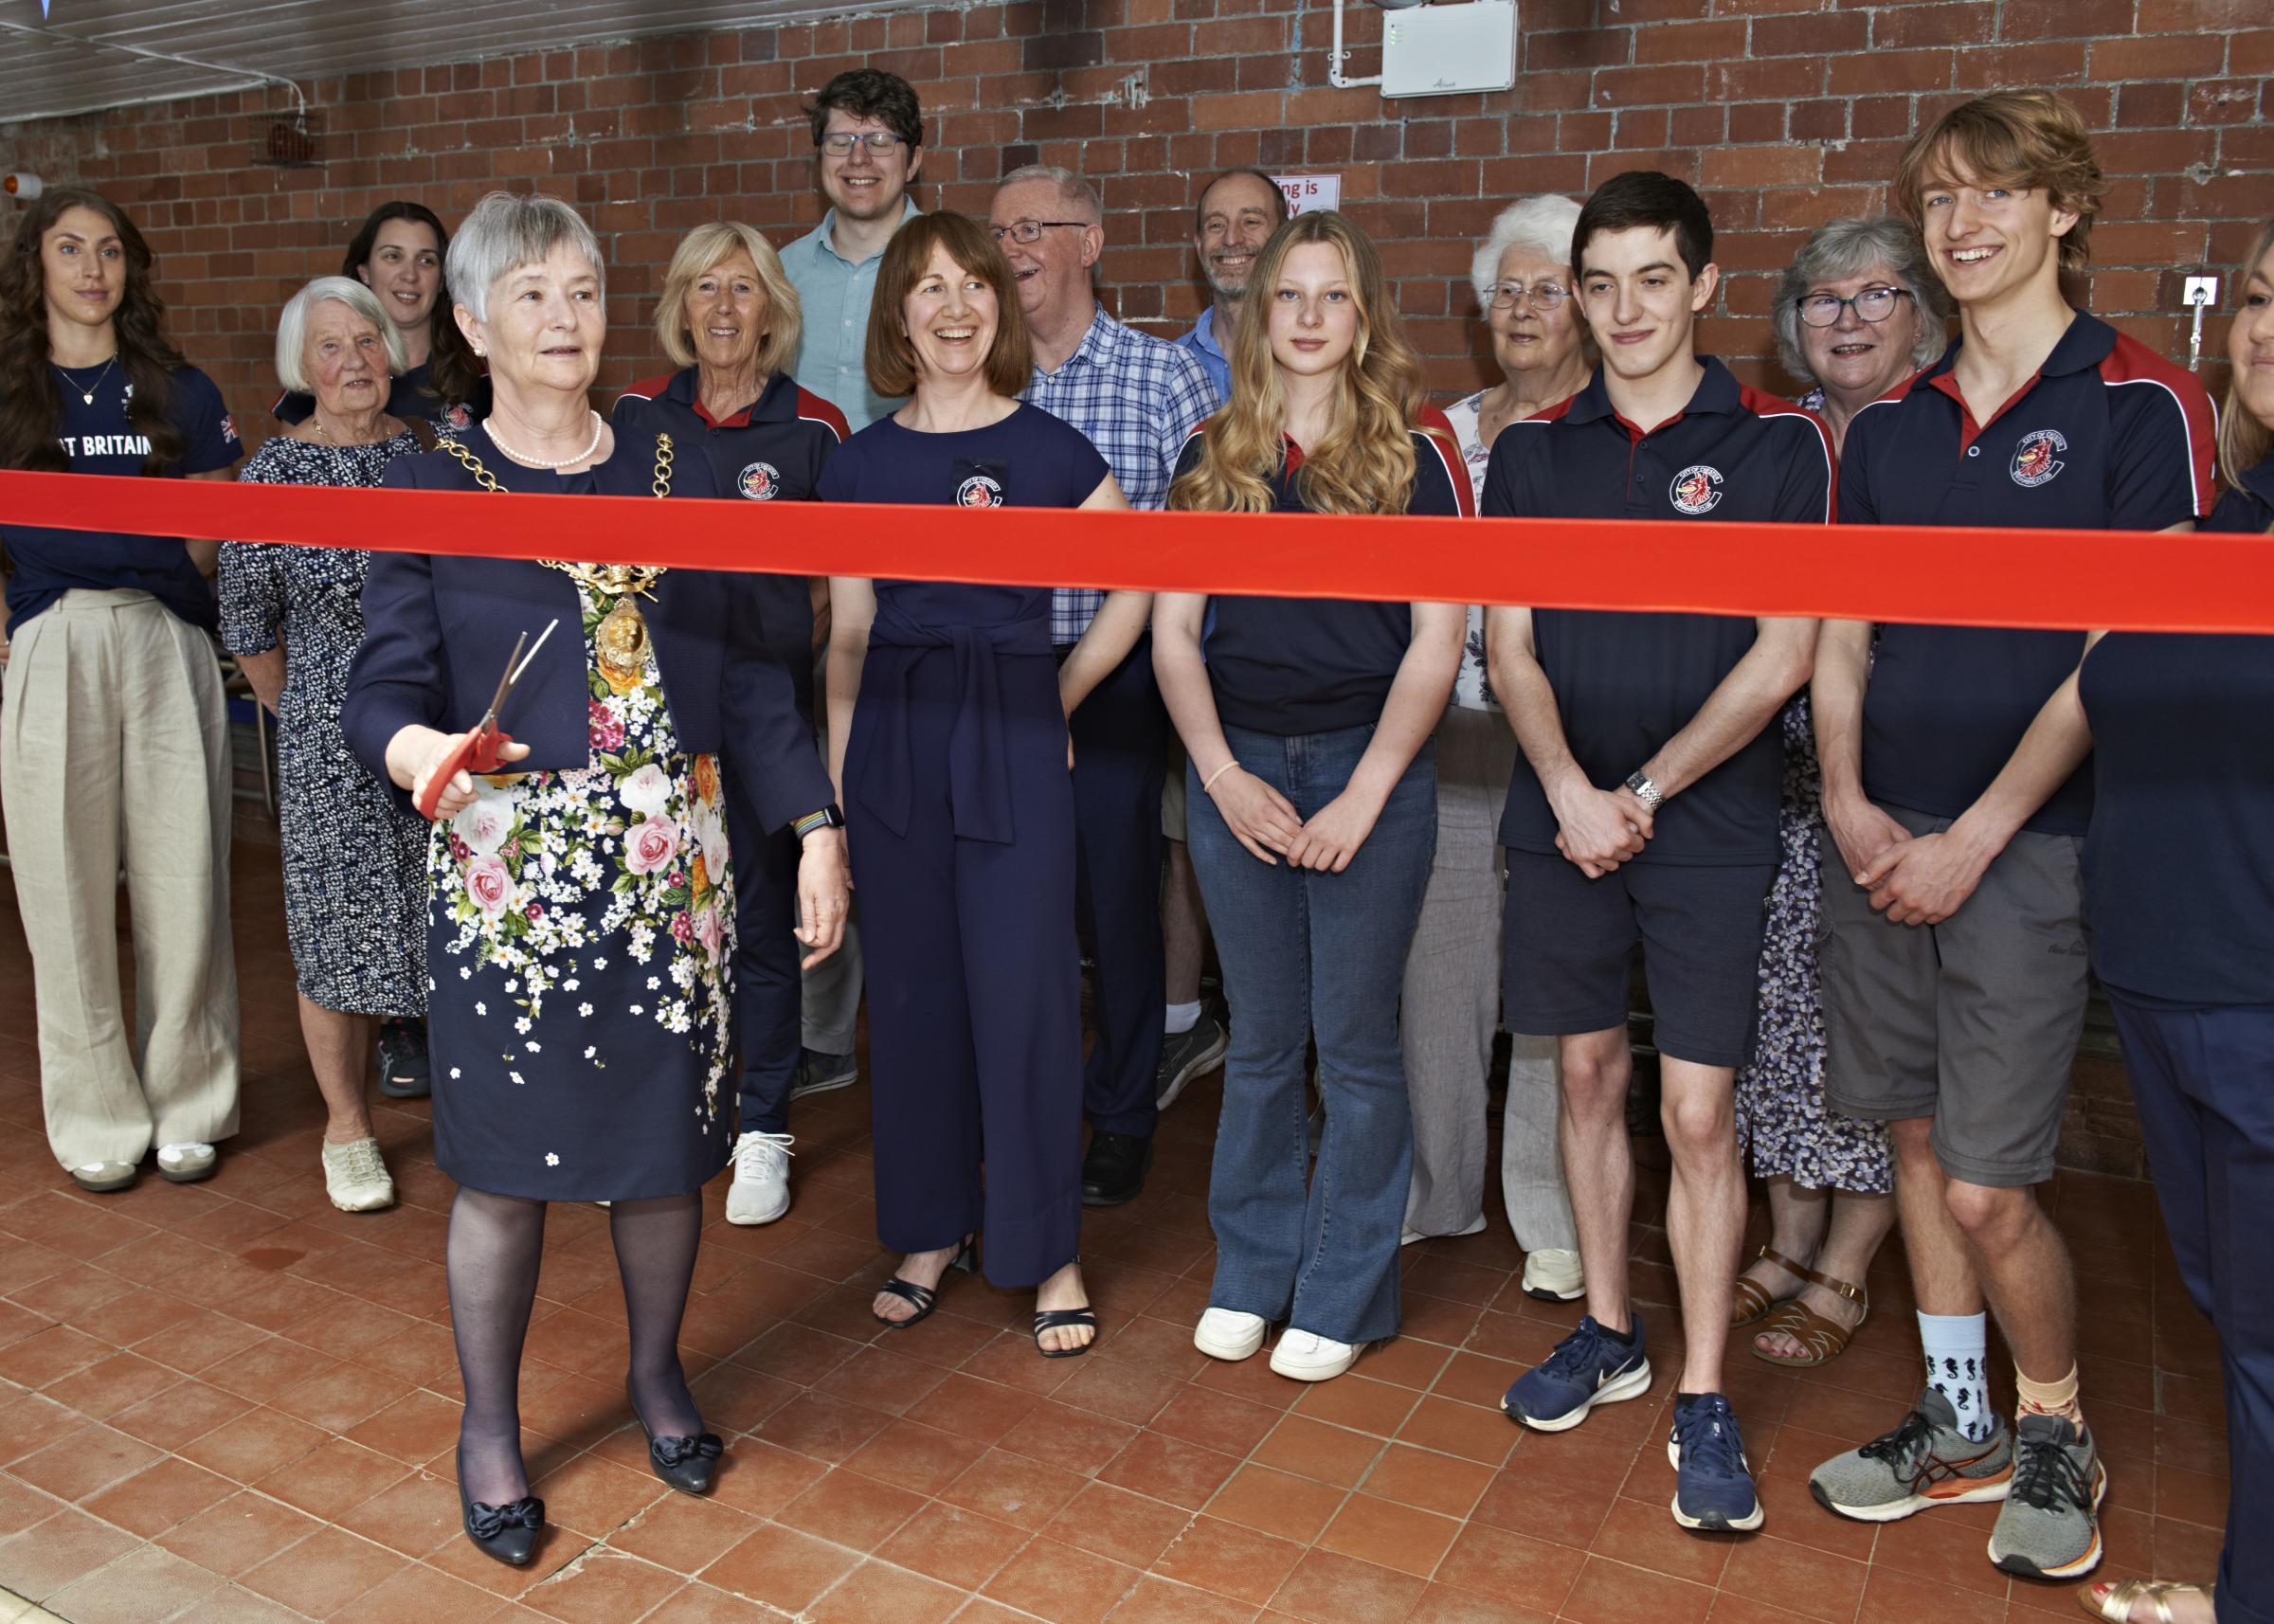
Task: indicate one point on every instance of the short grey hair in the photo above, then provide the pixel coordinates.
(506, 232)
(1071, 187)
(1849, 247)
(1543, 223)
(292, 328)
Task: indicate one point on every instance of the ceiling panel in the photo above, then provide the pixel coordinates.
(83, 56)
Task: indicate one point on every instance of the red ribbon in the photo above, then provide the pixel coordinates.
(2066, 579)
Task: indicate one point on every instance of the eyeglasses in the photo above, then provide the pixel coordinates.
(1872, 304)
(1544, 295)
(839, 143)
(1031, 230)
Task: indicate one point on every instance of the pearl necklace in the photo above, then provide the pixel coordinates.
(489, 427)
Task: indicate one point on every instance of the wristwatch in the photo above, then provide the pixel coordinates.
(829, 817)
(1645, 791)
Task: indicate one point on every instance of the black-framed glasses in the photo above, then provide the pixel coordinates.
(1031, 230)
(839, 143)
(1544, 295)
(1872, 304)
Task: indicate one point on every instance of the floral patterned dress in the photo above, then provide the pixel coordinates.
(579, 932)
(1782, 1121)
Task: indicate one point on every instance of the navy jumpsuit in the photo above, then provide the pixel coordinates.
(960, 812)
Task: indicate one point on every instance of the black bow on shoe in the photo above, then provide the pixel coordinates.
(488, 1522)
(671, 1451)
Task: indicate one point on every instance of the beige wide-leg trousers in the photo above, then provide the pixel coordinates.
(114, 748)
(1452, 1008)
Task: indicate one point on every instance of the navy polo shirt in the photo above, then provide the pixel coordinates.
(1292, 666)
(2108, 436)
(772, 450)
(2179, 860)
(1627, 682)
(98, 439)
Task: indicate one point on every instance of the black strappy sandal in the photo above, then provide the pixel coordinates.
(926, 1298)
(1052, 1318)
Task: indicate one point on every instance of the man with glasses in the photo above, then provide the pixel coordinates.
(1136, 398)
(1648, 817)
(868, 140)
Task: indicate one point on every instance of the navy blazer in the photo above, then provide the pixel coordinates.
(437, 632)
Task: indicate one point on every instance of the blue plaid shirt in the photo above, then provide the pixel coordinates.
(1136, 398)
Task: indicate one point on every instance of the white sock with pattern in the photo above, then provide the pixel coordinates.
(1958, 1366)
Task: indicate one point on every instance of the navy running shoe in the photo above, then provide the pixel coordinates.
(1713, 1487)
(1588, 1367)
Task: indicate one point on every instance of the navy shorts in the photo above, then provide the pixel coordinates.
(1570, 941)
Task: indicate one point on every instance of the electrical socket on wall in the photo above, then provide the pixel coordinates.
(2201, 291)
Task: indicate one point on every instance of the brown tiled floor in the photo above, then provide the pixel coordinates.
(228, 1402)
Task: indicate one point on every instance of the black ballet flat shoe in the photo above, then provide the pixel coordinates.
(1051, 1319)
(686, 1464)
(506, 1533)
(926, 1298)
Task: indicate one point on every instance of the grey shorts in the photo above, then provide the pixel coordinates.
(1974, 1021)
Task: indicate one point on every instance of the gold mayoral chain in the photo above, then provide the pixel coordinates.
(619, 642)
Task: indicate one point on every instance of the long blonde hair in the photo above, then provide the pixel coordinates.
(2244, 441)
(1365, 462)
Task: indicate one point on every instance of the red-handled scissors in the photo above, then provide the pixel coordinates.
(482, 751)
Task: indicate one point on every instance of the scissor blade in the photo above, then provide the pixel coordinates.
(505, 684)
(523, 663)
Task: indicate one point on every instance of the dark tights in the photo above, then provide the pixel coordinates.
(496, 1243)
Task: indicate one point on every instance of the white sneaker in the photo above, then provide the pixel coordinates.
(760, 1193)
(1552, 1275)
(1305, 1356)
(1227, 1333)
(1409, 1235)
(186, 1164)
(355, 1178)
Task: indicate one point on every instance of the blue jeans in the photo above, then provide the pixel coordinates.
(1304, 952)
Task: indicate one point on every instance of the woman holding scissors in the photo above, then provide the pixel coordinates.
(581, 906)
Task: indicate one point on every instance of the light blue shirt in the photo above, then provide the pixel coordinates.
(1201, 341)
(833, 295)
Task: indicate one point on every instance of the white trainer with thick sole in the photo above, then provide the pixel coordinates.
(1228, 1334)
(760, 1193)
(1305, 1356)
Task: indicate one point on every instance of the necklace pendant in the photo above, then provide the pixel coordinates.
(89, 397)
(619, 645)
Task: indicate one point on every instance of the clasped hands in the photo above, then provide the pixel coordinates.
(1598, 829)
(1263, 821)
(1914, 879)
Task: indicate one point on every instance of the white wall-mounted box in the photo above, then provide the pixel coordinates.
(1444, 50)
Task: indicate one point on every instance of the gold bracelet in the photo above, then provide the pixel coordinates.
(1209, 783)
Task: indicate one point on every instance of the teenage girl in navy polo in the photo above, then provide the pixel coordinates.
(1313, 801)
(114, 739)
(2179, 895)
(948, 739)
(729, 319)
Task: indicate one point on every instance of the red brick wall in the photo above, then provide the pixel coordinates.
(1783, 112)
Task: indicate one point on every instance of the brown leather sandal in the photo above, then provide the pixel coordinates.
(1753, 1299)
(1825, 1339)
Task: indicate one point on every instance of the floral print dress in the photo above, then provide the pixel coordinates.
(579, 932)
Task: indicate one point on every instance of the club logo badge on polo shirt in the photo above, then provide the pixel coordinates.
(760, 481)
(1696, 490)
(979, 491)
(457, 420)
(2036, 458)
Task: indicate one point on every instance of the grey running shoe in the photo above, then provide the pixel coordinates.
(1188, 1055)
(817, 1074)
(1927, 1461)
(2050, 1527)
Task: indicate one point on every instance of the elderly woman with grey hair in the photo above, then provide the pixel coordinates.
(581, 888)
(1855, 314)
(1522, 273)
(354, 884)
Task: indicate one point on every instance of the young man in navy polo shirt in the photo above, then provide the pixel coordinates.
(1649, 817)
(1956, 792)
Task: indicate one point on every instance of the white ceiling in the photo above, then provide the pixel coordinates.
(81, 56)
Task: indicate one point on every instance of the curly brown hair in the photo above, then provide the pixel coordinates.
(31, 406)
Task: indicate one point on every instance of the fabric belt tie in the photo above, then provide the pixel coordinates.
(979, 772)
